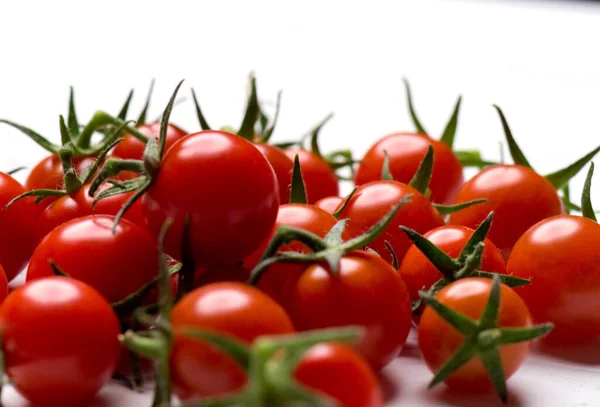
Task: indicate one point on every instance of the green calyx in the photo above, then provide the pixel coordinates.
(483, 337)
(558, 178)
(587, 209)
(297, 190)
(337, 214)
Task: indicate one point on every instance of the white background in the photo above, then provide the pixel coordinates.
(538, 60)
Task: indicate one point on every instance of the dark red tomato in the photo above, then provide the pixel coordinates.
(60, 341)
(368, 292)
(338, 371)
(198, 369)
(329, 204)
(17, 226)
(3, 285)
(374, 200)
(319, 179)
(49, 174)
(282, 165)
(406, 151)
(116, 265)
(279, 278)
(519, 197)
(226, 186)
(419, 273)
(438, 340)
(132, 148)
(221, 274)
(79, 204)
(561, 256)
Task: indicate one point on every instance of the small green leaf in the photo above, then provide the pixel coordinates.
(586, 203)
(269, 130)
(298, 191)
(420, 181)
(450, 130)
(515, 152)
(411, 108)
(516, 335)
(566, 198)
(449, 209)
(561, 177)
(506, 279)
(125, 109)
(386, 175)
(493, 364)
(477, 237)
(203, 123)
(72, 117)
(489, 316)
(395, 263)
(465, 353)
(457, 320)
(40, 140)
(471, 262)
(144, 113)
(233, 347)
(57, 270)
(164, 123)
(314, 135)
(442, 261)
(15, 170)
(334, 236)
(471, 158)
(339, 212)
(252, 113)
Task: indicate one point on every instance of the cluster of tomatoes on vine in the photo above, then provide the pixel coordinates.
(233, 272)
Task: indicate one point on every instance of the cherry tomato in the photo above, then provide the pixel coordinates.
(374, 200)
(406, 151)
(199, 370)
(319, 179)
(282, 165)
(519, 197)
(60, 341)
(221, 274)
(330, 203)
(49, 174)
(438, 340)
(116, 265)
(17, 226)
(339, 372)
(228, 189)
(132, 148)
(419, 273)
(561, 256)
(3, 285)
(279, 278)
(368, 292)
(79, 204)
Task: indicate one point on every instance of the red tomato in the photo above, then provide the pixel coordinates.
(198, 370)
(60, 341)
(561, 256)
(228, 189)
(438, 340)
(132, 148)
(3, 285)
(329, 204)
(17, 226)
(406, 151)
(519, 197)
(79, 204)
(116, 265)
(419, 273)
(368, 292)
(339, 372)
(374, 200)
(49, 174)
(319, 179)
(221, 274)
(279, 278)
(282, 165)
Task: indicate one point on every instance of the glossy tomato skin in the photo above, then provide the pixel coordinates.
(17, 226)
(419, 273)
(228, 189)
(116, 265)
(282, 165)
(561, 256)
(518, 196)
(198, 370)
(132, 148)
(374, 200)
(330, 203)
(319, 179)
(79, 204)
(49, 174)
(221, 274)
(368, 292)
(406, 151)
(339, 372)
(60, 341)
(278, 279)
(438, 340)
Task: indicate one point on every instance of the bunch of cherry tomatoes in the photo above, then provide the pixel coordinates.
(230, 272)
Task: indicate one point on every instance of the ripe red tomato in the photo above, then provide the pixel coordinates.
(228, 189)
(519, 197)
(49, 174)
(79, 204)
(60, 341)
(438, 340)
(3, 285)
(374, 200)
(338, 371)
(282, 165)
(330, 203)
(319, 179)
(17, 226)
(199, 370)
(116, 265)
(561, 256)
(419, 273)
(132, 148)
(368, 292)
(406, 151)
(221, 274)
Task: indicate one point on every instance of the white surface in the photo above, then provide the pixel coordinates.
(538, 60)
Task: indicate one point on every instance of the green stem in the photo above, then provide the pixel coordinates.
(102, 119)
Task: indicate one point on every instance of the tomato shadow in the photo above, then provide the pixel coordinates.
(587, 353)
(450, 397)
(390, 385)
